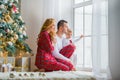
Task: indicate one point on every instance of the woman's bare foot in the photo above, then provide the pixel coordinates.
(42, 70)
(39, 70)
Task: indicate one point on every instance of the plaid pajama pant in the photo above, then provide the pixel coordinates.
(67, 51)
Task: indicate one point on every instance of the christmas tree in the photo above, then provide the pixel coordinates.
(12, 28)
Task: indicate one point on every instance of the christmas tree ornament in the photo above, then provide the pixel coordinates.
(10, 43)
(21, 36)
(24, 33)
(10, 4)
(15, 24)
(20, 31)
(8, 30)
(15, 36)
(20, 18)
(4, 43)
(11, 31)
(1, 34)
(8, 18)
(12, 39)
(14, 8)
(5, 55)
(22, 47)
(1, 54)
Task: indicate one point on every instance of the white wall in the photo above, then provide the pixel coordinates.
(66, 11)
(32, 13)
(114, 37)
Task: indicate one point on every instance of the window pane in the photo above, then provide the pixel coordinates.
(88, 58)
(88, 10)
(88, 19)
(78, 29)
(79, 52)
(78, 1)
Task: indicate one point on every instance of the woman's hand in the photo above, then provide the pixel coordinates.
(54, 41)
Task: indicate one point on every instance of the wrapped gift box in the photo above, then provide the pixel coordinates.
(6, 60)
(20, 64)
(10, 60)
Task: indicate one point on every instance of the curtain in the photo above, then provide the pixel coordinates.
(51, 9)
(100, 41)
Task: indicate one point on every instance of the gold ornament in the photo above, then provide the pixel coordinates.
(22, 47)
(4, 43)
(11, 39)
(20, 30)
(8, 18)
(5, 54)
(1, 46)
(15, 36)
(1, 54)
(11, 31)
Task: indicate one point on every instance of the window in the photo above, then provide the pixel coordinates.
(83, 25)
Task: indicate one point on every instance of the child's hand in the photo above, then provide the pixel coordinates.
(81, 36)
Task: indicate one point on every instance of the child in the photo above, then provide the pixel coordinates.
(69, 41)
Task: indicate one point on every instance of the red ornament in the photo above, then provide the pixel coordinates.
(14, 8)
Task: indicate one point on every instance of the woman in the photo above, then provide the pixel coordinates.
(44, 58)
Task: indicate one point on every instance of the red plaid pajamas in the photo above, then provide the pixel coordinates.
(67, 51)
(44, 58)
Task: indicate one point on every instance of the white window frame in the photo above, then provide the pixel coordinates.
(78, 5)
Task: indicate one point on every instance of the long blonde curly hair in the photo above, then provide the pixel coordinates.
(47, 24)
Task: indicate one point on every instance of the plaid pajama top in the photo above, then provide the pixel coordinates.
(44, 50)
